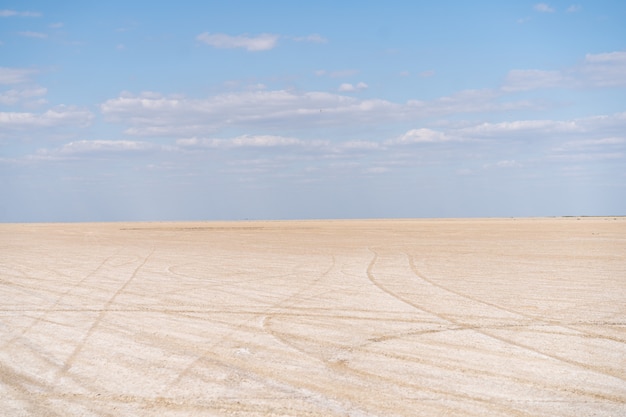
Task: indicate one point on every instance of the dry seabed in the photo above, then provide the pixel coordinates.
(498, 317)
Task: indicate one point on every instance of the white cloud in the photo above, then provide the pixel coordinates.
(36, 35)
(552, 141)
(14, 96)
(15, 75)
(57, 25)
(262, 42)
(420, 136)
(57, 117)
(588, 130)
(520, 126)
(543, 8)
(574, 8)
(149, 114)
(347, 87)
(156, 115)
(427, 74)
(11, 13)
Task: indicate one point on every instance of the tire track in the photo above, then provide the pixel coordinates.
(347, 348)
(186, 371)
(22, 386)
(491, 335)
(79, 347)
(533, 318)
(51, 309)
(36, 392)
(342, 367)
(288, 340)
(309, 392)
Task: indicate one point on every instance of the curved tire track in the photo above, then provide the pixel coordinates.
(491, 335)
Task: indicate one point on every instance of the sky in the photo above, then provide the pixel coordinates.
(233, 110)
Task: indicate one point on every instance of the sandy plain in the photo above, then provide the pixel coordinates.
(491, 317)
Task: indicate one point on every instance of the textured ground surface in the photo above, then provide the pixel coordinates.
(511, 317)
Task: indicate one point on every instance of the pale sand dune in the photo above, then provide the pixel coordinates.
(511, 317)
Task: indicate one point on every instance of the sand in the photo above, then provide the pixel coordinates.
(482, 317)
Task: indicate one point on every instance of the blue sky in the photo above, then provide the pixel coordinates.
(207, 110)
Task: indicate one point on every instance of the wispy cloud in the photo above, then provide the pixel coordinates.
(466, 101)
(59, 116)
(362, 145)
(543, 8)
(508, 163)
(93, 149)
(605, 69)
(29, 34)
(503, 164)
(12, 13)
(337, 73)
(523, 80)
(250, 141)
(578, 157)
(313, 38)
(574, 8)
(596, 70)
(262, 42)
(15, 75)
(376, 170)
(601, 125)
(602, 143)
(14, 96)
(496, 129)
(104, 146)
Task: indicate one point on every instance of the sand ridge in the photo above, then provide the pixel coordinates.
(499, 317)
